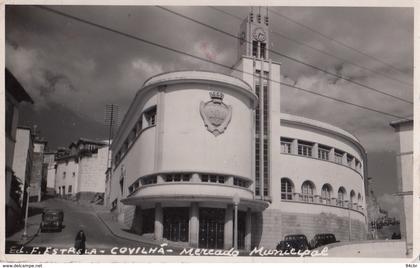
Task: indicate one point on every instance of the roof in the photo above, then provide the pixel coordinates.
(191, 75)
(15, 88)
(397, 123)
(317, 124)
(84, 141)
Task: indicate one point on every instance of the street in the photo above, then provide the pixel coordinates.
(76, 217)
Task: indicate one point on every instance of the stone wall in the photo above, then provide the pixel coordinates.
(270, 227)
(311, 224)
(132, 219)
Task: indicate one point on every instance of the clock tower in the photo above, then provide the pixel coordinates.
(257, 69)
(253, 35)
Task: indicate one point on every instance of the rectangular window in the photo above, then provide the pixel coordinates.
(286, 145)
(262, 50)
(338, 156)
(213, 178)
(133, 187)
(349, 160)
(266, 174)
(254, 48)
(124, 147)
(139, 126)
(265, 109)
(131, 136)
(304, 148)
(150, 116)
(70, 189)
(117, 158)
(240, 182)
(64, 175)
(257, 111)
(257, 167)
(323, 152)
(149, 180)
(358, 165)
(177, 177)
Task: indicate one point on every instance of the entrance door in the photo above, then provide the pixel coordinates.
(212, 224)
(241, 229)
(175, 223)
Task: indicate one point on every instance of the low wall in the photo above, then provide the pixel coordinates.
(371, 248)
(270, 226)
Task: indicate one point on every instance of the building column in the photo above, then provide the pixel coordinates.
(229, 180)
(158, 221)
(159, 179)
(195, 178)
(138, 220)
(315, 150)
(228, 237)
(194, 224)
(248, 228)
(294, 148)
(332, 155)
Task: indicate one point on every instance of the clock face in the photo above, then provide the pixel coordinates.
(259, 34)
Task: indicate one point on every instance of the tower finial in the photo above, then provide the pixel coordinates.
(266, 16)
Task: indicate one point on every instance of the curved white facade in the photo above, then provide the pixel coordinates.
(195, 145)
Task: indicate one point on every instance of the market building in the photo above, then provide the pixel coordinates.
(197, 150)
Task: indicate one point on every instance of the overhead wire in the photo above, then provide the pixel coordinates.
(336, 41)
(118, 32)
(317, 49)
(286, 56)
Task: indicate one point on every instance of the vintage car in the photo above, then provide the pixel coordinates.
(52, 219)
(323, 239)
(295, 241)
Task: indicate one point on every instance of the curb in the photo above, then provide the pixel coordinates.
(32, 237)
(133, 240)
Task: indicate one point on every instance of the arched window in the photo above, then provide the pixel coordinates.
(352, 198)
(326, 194)
(308, 189)
(341, 196)
(286, 189)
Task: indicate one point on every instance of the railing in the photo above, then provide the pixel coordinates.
(186, 178)
(316, 199)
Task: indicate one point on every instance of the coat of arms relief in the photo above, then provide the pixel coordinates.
(216, 114)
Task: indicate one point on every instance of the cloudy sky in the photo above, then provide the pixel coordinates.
(72, 69)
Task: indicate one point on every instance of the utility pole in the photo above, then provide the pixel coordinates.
(25, 231)
(111, 120)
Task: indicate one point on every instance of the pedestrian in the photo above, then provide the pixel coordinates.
(80, 242)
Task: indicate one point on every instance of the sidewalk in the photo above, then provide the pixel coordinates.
(115, 229)
(32, 230)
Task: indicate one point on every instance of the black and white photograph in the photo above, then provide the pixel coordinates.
(240, 132)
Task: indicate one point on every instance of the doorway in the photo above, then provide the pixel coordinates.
(212, 224)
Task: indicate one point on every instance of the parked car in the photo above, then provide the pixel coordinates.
(323, 239)
(295, 241)
(52, 219)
